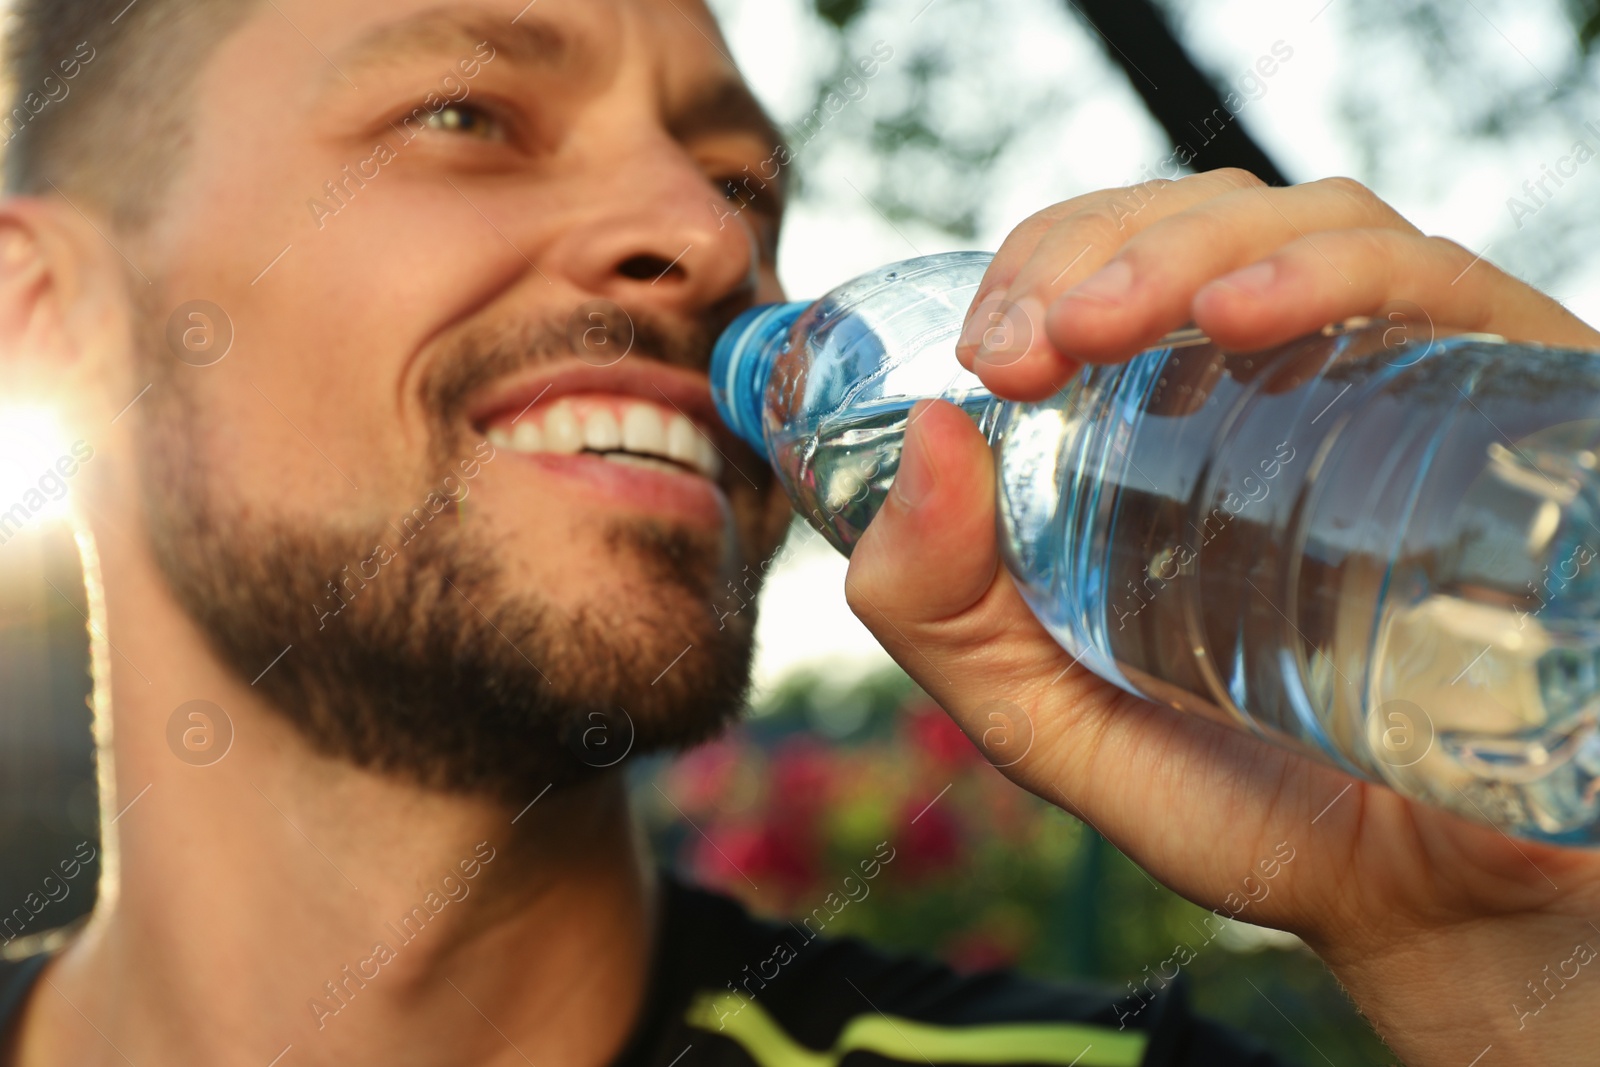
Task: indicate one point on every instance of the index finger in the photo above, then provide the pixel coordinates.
(1062, 245)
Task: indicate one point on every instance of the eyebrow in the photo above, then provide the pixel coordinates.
(528, 42)
(726, 106)
(723, 106)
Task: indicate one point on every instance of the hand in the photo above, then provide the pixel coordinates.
(1434, 924)
(1101, 277)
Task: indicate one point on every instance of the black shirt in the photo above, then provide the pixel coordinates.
(728, 990)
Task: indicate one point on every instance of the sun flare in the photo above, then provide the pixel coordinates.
(37, 466)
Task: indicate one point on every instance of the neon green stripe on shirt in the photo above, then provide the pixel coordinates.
(744, 1020)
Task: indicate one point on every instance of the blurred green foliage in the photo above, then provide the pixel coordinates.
(930, 132)
(840, 13)
(1586, 20)
(1435, 78)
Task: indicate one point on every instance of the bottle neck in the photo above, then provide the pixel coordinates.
(741, 366)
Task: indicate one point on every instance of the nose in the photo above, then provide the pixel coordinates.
(658, 232)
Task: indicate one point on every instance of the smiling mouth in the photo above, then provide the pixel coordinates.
(622, 430)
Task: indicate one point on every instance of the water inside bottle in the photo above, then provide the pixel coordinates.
(843, 469)
(1393, 565)
(1512, 653)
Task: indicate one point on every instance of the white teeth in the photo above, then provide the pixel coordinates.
(527, 437)
(627, 459)
(683, 440)
(600, 430)
(646, 435)
(643, 431)
(708, 460)
(561, 431)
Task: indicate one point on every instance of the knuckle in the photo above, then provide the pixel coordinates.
(1347, 187)
(858, 597)
(1142, 191)
(1019, 245)
(1035, 226)
(1154, 183)
(1115, 204)
(1101, 224)
(1365, 203)
(1228, 178)
(1033, 229)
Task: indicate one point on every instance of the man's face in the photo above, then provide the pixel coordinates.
(460, 454)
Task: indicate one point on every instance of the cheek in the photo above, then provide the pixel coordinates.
(274, 435)
(303, 416)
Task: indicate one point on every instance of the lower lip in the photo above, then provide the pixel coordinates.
(684, 496)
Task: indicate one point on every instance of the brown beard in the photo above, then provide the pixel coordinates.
(434, 671)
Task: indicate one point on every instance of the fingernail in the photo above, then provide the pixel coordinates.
(1109, 284)
(915, 478)
(1253, 280)
(979, 319)
(1010, 335)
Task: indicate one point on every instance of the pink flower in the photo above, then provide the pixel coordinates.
(702, 778)
(935, 734)
(775, 861)
(929, 839)
(802, 776)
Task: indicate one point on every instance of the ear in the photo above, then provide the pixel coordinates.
(64, 309)
(26, 331)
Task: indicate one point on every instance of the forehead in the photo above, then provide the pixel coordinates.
(675, 45)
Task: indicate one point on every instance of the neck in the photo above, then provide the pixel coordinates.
(276, 898)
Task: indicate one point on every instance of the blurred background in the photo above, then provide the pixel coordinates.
(978, 113)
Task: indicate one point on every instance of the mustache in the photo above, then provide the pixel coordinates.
(600, 333)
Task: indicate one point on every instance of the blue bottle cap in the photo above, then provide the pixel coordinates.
(742, 362)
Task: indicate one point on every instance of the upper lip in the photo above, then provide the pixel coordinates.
(685, 390)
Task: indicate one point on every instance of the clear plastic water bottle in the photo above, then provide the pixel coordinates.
(1378, 548)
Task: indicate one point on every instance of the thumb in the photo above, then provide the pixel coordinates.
(930, 553)
(926, 579)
